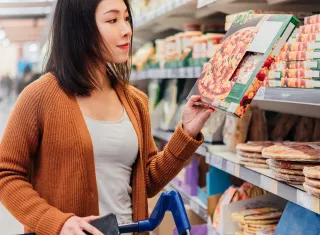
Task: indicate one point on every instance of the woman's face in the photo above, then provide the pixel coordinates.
(112, 19)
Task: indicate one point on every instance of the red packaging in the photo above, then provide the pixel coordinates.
(313, 37)
(312, 19)
(297, 56)
(299, 83)
(310, 28)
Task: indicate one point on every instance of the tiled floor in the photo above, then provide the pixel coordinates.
(8, 225)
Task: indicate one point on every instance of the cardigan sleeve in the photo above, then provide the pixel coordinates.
(163, 166)
(20, 143)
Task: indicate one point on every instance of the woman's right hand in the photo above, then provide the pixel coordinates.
(75, 226)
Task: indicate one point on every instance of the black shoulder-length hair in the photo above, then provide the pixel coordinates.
(76, 46)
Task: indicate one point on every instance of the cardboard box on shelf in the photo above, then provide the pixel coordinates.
(230, 228)
(234, 75)
(309, 64)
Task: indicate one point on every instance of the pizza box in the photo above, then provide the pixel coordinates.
(297, 56)
(228, 227)
(294, 73)
(300, 83)
(310, 28)
(230, 80)
(310, 64)
(301, 46)
(271, 83)
(312, 19)
(311, 37)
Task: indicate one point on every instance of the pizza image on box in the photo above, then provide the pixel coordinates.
(212, 83)
(232, 77)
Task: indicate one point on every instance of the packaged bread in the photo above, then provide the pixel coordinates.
(316, 130)
(258, 130)
(304, 129)
(283, 126)
(236, 129)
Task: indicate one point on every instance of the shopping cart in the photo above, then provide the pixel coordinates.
(169, 201)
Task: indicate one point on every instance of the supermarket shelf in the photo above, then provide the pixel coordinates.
(195, 204)
(158, 22)
(263, 178)
(219, 157)
(210, 7)
(290, 100)
(188, 72)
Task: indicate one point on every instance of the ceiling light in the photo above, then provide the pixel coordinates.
(6, 42)
(33, 47)
(2, 34)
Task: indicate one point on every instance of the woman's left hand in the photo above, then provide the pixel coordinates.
(194, 117)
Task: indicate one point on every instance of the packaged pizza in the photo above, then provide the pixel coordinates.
(301, 46)
(294, 73)
(236, 72)
(271, 83)
(310, 28)
(311, 37)
(310, 64)
(297, 56)
(299, 83)
(312, 19)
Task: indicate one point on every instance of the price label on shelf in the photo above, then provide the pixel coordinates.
(197, 72)
(175, 73)
(194, 207)
(230, 168)
(269, 184)
(304, 199)
(216, 162)
(260, 93)
(162, 73)
(190, 73)
(182, 72)
(208, 158)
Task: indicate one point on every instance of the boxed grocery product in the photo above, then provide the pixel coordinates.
(294, 73)
(310, 64)
(297, 56)
(312, 19)
(301, 46)
(310, 28)
(299, 83)
(268, 200)
(271, 83)
(311, 37)
(233, 76)
(217, 181)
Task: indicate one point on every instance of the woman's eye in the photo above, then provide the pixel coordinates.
(112, 21)
(128, 18)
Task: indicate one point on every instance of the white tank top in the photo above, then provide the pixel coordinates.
(115, 147)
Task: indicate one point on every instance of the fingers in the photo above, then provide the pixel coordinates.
(90, 218)
(89, 228)
(193, 99)
(78, 231)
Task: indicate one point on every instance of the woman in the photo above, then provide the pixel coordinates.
(78, 143)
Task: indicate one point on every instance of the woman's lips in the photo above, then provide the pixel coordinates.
(125, 46)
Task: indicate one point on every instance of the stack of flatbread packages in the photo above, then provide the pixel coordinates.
(250, 154)
(312, 180)
(259, 221)
(287, 161)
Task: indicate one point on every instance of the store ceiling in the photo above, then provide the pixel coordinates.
(24, 20)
